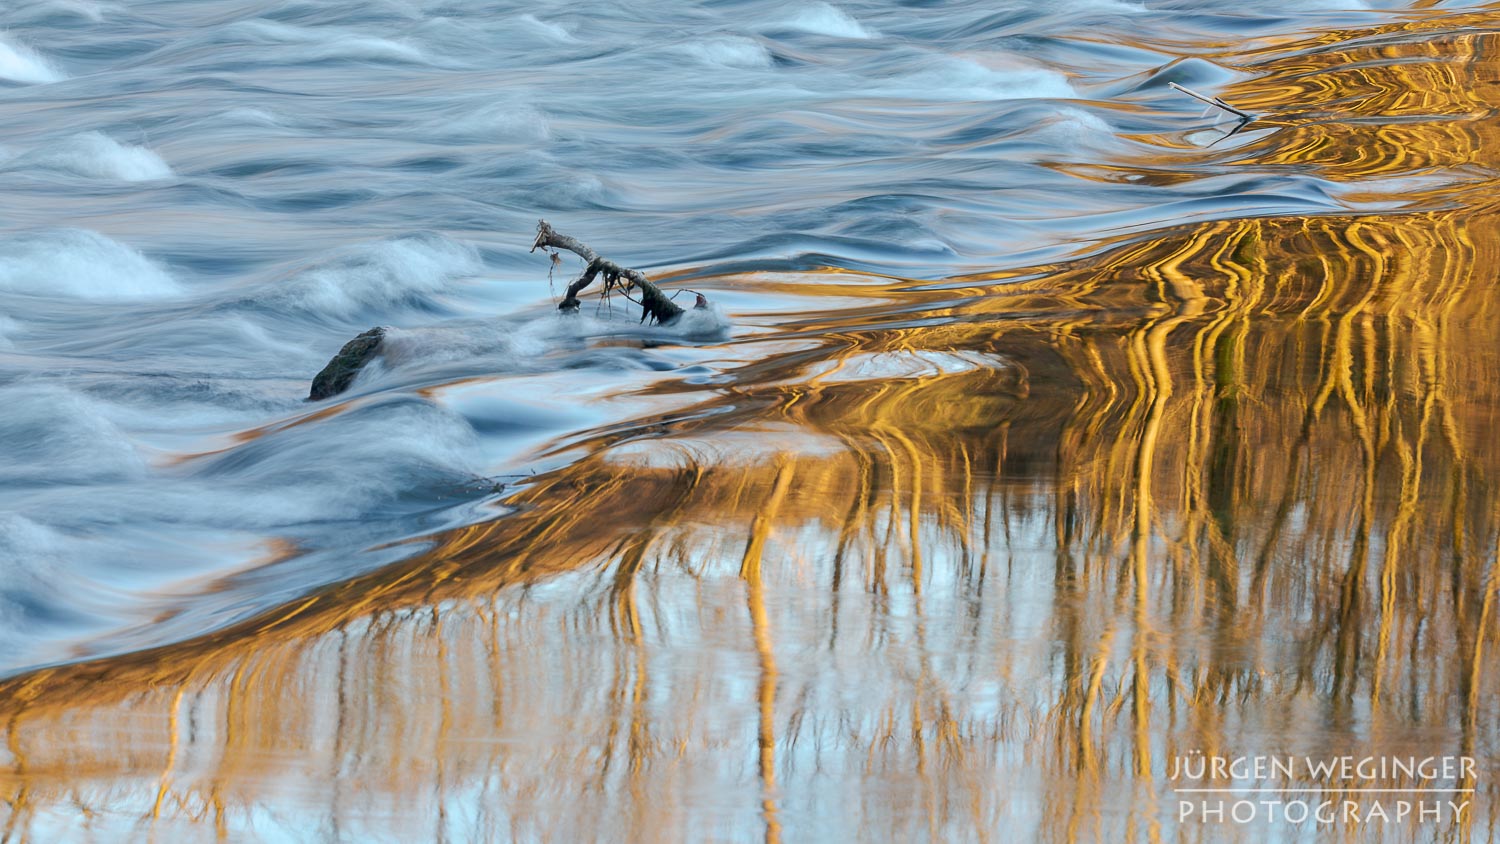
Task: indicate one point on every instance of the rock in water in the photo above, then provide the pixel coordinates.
(339, 373)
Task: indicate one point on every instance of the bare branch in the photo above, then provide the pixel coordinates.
(654, 303)
(1213, 101)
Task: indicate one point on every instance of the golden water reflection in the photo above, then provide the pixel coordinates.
(970, 561)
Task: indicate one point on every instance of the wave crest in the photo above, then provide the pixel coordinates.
(94, 155)
(80, 264)
(19, 63)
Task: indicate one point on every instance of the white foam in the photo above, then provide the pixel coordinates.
(23, 541)
(242, 117)
(19, 63)
(81, 9)
(1070, 130)
(1109, 5)
(1052, 132)
(336, 468)
(496, 122)
(326, 42)
(32, 566)
(700, 323)
(730, 51)
(1331, 5)
(379, 274)
(577, 190)
(823, 19)
(522, 344)
(94, 155)
(556, 33)
(53, 435)
(366, 47)
(81, 264)
(949, 78)
(403, 348)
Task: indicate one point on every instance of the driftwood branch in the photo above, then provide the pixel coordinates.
(1213, 101)
(654, 303)
(341, 371)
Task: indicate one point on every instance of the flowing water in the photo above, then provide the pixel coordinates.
(1043, 429)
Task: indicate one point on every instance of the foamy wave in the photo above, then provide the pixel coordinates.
(23, 540)
(56, 436)
(19, 63)
(1110, 6)
(1332, 5)
(67, 11)
(823, 19)
(250, 117)
(417, 347)
(326, 42)
(303, 473)
(524, 345)
(33, 565)
(79, 263)
(405, 269)
(1041, 131)
(1070, 129)
(495, 122)
(952, 79)
(701, 324)
(551, 31)
(94, 155)
(730, 51)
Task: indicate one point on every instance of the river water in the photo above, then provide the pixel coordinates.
(1043, 428)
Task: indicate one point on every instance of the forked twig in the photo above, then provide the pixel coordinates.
(1213, 101)
(654, 303)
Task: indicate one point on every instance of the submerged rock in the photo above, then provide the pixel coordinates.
(340, 371)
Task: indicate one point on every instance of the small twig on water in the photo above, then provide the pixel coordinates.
(1213, 101)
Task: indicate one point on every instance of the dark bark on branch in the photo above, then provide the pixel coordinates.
(1213, 101)
(654, 303)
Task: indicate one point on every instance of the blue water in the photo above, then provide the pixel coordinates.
(205, 198)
